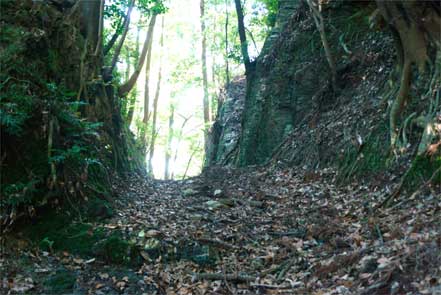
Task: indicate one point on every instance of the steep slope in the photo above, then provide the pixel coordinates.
(61, 125)
(293, 115)
(291, 83)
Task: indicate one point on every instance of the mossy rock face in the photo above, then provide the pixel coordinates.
(56, 232)
(62, 282)
(76, 238)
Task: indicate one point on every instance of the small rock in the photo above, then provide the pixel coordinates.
(217, 193)
(153, 233)
(152, 244)
(342, 290)
(213, 205)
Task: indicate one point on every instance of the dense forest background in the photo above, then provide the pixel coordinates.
(122, 118)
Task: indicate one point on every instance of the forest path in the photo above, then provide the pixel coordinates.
(261, 231)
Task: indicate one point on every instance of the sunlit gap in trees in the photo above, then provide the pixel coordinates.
(181, 89)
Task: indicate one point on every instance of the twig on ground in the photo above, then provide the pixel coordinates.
(217, 243)
(219, 276)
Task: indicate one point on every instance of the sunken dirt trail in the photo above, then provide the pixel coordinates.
(264, 231)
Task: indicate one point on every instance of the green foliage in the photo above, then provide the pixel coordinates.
(42, 121)
(263, 15)
(272, 7)
(116, 10)
(71, 136)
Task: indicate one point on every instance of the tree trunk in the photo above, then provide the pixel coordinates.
(131, 110)
(243, 37)
(227, 66)
(418, 25)
(253, 40)
(318, 19)
(127, 86)
(169, 141)
(127, 73)
(123, 38)
(90, 11)
(155, 100)
(148, 62)
(206, 106)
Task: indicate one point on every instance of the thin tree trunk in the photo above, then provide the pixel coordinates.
(133, 99)
(127, 86)
(116, 33)
(213, 102)
(227, 66)
(123, 38)
(100, 30)
(179, 141)
(242, 37)
(319, 22)
(155, 100)
(169, 141)
(253, 40)
(127, 101)
(188, 163)
(206, 106)
(127, 73)
(147, 80)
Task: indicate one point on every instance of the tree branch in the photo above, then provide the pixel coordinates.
(127, 86)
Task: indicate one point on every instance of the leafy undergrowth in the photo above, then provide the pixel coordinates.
(255, 231)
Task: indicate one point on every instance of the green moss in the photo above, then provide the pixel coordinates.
(422, 169)
(372, 158)
(62, 282)
(57, 232)
(114, 249)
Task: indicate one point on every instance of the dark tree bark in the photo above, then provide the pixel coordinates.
(243, 37)
(90, 20)
(100, 29)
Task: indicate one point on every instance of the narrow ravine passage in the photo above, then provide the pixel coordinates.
(251, 232)
(207, 147)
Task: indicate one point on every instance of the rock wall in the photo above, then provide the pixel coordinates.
(225, 133)
(291, 113)
(290, 86)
